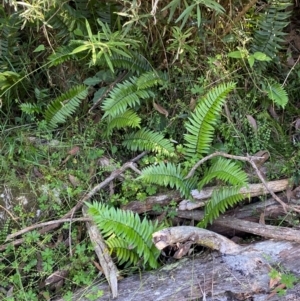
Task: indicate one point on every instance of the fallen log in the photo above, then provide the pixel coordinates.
(241, 274)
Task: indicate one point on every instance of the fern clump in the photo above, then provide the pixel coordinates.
(126, 235)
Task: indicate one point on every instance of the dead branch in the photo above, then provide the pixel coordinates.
(249, 159)
(109, 268)
(267, 231)
(85, 198)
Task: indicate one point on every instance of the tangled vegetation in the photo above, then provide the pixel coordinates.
(82, 80)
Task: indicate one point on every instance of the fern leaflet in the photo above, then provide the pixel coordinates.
(277, 94)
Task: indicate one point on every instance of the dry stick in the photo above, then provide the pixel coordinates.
(35, 226)
(99, 186)
(246, 159)
(239, 16)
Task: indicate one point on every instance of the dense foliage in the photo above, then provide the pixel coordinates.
(80, 80)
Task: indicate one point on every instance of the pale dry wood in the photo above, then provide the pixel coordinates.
(211, 276)
(267, 231)
(251, 191)
(173, 235)
(109, 268)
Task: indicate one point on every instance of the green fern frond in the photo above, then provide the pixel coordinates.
(136, 63)
(277, 94)
(201, 124)
(269, 37)
(30, 108)
(129, 93)
(220, 200)
(227, 171)
(61, 55)
(127, 226)
(148, 140)
(123, 250)
(148, 80)
(124, 95)
(65, 105)
(168, 175)
(127, 119)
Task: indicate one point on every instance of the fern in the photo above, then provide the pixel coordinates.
(128, 119)
(129, 94)
(220, 200)
(200, 124)
(130, 231)
(65, 105)
(148, 140)
(136, 63)
(168, 175)
(226, 171)
(269, 37)
(277, 94)
(122, 250)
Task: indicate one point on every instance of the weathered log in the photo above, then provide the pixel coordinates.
(201, 197)
(211, 276)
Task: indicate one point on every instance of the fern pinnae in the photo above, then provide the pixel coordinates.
(227, 171)
(127, 226)
(220, 200)
(167, 175)
(147, 140)
(65, 105)
(200, 124)
(127, 119)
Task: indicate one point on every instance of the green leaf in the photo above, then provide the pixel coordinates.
(261, 56)
(251, 61)
(236, 54)
(39, 48)
(277, 93)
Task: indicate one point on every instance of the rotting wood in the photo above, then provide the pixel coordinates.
(109, 268)
(240, 275)
(267, 231)
(251, 191)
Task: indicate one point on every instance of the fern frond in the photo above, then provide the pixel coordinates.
(200, 125)
(123, 250)
(65, 105)
(220, 200)
(148, 140)
(127, 226)
(61, 55)
(227, 171)
(269, 37)
(129, 93)
(277, 94)
(148, 80)
(124, 95)
(136, 63)
(168, 175)
(127, 119)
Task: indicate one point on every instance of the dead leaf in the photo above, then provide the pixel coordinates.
(261, 157)
(192, 104)
(74, 181)
(37, 173)
(160, 109)
(56, 277)
(74, 151)
(252, 122)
